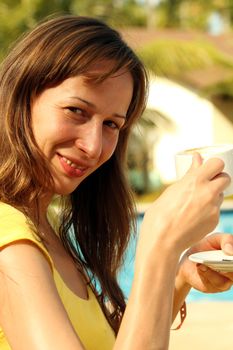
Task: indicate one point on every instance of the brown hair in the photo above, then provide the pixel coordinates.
(101, 213)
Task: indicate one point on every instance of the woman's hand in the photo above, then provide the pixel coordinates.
(183, 215)
(187, 210)
(198, 276)
(202, 277)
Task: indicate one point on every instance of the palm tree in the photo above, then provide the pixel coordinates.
(140, 151)
(177, 60)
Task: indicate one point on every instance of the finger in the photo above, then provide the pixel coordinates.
(214, 278)
(196, 161)
(221, 181)
(227, 244)
(228, 275)
(213, 167)
(220, 199)
(218, 241)
(206, 286)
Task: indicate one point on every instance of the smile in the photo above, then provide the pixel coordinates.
(73, 165)
(71, 168)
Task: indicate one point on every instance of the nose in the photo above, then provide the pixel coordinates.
(90, 139)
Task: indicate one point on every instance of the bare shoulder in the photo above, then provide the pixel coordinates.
(23, 270)
(22, 262)
(20, 251)
(28, 293)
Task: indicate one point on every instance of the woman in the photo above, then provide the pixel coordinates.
(70, 92)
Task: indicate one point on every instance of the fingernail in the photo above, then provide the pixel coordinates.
(203, 268)
(228, 248)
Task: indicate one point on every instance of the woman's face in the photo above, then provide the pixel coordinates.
(76, 126)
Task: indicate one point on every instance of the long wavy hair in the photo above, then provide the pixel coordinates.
(100, 212)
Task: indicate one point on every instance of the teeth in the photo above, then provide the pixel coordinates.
(73, 165)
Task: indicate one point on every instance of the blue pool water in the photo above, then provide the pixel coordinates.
(126, 274)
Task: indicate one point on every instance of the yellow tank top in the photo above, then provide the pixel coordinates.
(86, 316)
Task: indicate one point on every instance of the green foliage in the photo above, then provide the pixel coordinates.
(224, 88)
(13, 22)
(191, 13)
(45, 8)
(171, 11)
(118, 13)
(18, 16)
(99, 8)
(174, 57)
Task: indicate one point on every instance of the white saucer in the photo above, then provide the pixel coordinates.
(215, 259)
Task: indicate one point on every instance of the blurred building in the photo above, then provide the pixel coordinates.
(197, 119)
(196, 122)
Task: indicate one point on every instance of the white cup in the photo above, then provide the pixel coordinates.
(183, 160)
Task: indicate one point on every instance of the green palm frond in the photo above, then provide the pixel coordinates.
(168, 57)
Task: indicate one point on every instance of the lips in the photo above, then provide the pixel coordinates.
(71, 167)
(72, 164)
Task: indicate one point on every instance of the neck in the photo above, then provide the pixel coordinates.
(43, 205)
(39, 210)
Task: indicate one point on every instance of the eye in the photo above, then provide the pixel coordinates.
(76, 113)
(75, 110)
(113, 125)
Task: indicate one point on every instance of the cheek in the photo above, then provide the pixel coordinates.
(46, 124)
(51, 133)
(109, 146)
(43, 134)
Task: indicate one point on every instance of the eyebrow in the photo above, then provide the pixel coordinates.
(90, 104)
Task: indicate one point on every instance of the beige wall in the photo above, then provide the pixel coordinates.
(196, 122)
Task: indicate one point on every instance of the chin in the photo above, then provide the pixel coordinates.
(64, 190)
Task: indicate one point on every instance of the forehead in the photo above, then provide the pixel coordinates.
(115, 91)
(109, 96)
(110, 84)
(119, 85)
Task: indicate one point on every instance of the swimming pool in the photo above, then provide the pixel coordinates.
(126, 274)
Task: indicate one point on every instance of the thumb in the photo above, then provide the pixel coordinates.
(196, 160)
(227, 245)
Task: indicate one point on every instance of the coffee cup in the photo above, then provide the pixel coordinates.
(183, 160)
